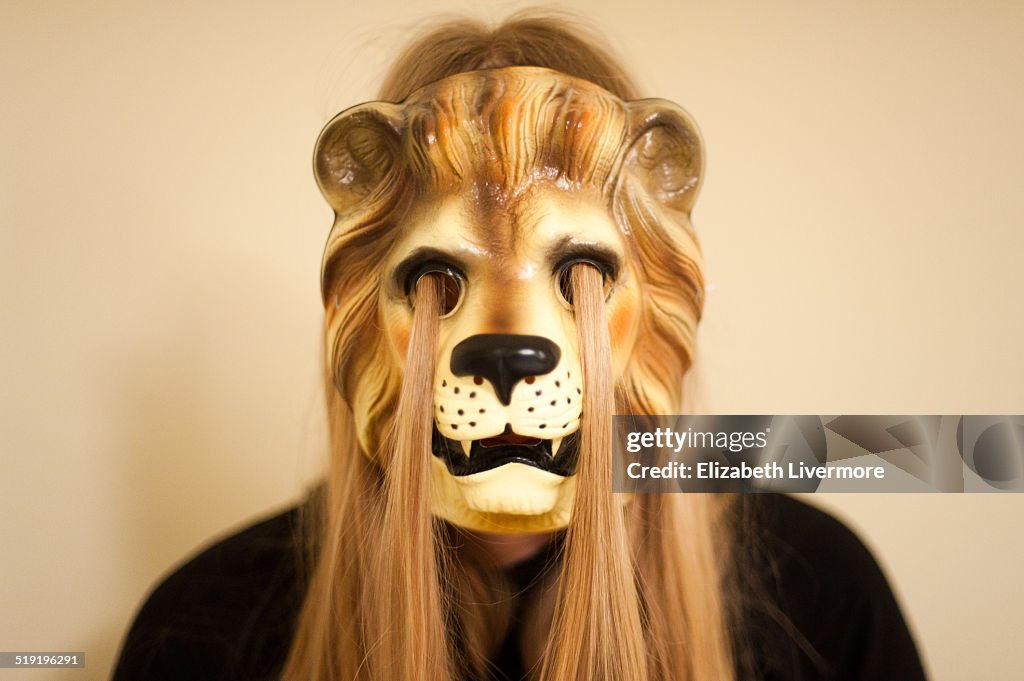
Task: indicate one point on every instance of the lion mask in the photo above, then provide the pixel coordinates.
(498, 183)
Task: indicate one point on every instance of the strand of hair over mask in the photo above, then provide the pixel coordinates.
(403, 607)
(597, 614)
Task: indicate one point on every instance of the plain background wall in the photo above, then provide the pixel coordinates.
(160, 239)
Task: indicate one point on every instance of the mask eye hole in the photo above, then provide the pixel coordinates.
(451, 279)
(563, 276)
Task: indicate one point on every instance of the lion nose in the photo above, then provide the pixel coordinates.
(504, 359)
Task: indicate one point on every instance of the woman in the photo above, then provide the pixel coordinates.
(512, 225)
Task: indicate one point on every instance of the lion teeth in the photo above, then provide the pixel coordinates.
(466, 446)
(555, 444)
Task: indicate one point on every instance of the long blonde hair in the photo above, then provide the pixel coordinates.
(642, 594)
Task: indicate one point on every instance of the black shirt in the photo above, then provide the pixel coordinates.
(816, 605)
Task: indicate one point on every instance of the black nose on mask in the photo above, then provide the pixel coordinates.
(504, 359)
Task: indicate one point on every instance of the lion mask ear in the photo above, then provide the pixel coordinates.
(355, 152)
(666, 154)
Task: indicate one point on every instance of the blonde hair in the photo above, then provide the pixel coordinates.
(642, 593)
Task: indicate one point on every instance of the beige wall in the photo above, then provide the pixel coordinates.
(160, 236)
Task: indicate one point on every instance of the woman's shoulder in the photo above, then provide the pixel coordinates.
(227, 611)
(816, 603)
(810, 542)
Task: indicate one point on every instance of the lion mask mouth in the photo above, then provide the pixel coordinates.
(463, 457)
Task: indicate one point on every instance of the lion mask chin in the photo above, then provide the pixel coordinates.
(499, 183)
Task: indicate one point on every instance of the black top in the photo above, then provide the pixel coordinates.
(822, 609)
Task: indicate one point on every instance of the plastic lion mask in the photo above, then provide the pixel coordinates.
(498, 182)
